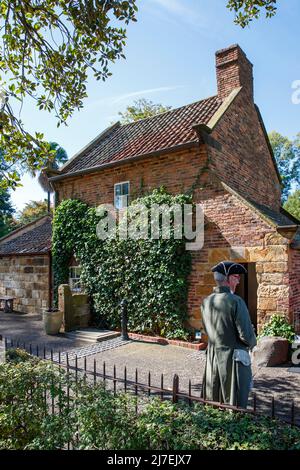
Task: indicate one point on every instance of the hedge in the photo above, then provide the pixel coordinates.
(95, 418)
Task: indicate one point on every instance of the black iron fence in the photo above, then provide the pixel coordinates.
(268, 407)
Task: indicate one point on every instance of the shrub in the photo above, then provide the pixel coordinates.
(151, 274)
(17, 355)
(91, 417)
(278, 326)
(26, 389)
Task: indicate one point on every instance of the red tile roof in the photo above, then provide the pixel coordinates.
(160, 132)
(35, 238)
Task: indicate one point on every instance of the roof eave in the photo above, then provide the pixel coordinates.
(27, 253)
(134, 158)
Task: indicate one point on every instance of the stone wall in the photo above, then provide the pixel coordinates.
(25, 278)
(75, 307)
(234, 231)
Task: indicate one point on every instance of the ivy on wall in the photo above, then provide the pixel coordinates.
(151, 274)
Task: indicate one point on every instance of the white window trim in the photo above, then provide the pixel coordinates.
(117, 184)
(72, 279)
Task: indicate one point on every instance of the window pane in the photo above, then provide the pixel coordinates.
(125, 188)
(77, 271)
(118, 189)
(118, 202)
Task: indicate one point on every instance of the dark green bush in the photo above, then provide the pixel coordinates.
(26, 390)
(16, 355)
(151, 274)
(278, 325)
(104, 421)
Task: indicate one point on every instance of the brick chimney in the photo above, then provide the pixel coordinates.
(234, 70)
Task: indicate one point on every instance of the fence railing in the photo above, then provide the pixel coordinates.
(62, 359)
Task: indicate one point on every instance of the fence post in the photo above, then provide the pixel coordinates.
(124, 319)
(273, 407)
(175, 388)
(293, 414)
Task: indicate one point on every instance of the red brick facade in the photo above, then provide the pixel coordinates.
(238, 155)
(233, 71)
(294, 298)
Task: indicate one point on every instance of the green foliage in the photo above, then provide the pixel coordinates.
(25, 415)
(278, 326)
(248, 10)
(142, 109)
(32, 211)
(287, 156)
(48, 49)
(94, 418)
(16, 355)
(6, 208)
(292, 205)
(6, 211)
(151, 274)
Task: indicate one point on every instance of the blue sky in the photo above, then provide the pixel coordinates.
(170, 60)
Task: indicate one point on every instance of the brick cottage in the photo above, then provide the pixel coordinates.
(219, 149)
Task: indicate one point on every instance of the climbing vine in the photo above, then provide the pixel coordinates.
(151, 274)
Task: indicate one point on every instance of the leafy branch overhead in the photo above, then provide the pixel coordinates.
(248, 10)
(47, 50)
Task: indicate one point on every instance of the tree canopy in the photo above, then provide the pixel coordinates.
(32, 210)
(6, 211)
(47, 50)
(248, 10)
(292, 204)
(287, 155)
(6, 207)
(141, 109)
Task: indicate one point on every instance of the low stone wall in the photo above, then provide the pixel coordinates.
(26, 279)
(75, 307)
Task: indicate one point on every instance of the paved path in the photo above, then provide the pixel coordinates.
(29, 329)
(281, 382)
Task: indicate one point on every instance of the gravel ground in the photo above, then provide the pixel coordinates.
(282, 383)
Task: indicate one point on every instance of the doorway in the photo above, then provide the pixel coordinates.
(247, 289)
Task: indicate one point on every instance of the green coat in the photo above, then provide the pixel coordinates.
(227, 324)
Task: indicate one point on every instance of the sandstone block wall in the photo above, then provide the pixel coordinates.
(26, 279)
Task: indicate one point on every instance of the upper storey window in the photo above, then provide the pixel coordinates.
(121, 195)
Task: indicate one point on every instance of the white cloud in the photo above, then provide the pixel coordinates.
(178, 12)
(124, 97)
(112, 100)
(176, 7)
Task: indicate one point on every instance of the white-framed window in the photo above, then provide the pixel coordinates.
(74, 278)
(121, 191)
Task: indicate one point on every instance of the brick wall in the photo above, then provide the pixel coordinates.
(176, 171)
(233, 71)
(245, 162)
(26, 279)
(233, 230)
(294, 267)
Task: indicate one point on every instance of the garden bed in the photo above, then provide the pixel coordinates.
(165, 341)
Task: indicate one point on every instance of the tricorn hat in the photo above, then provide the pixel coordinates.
(228, 267)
